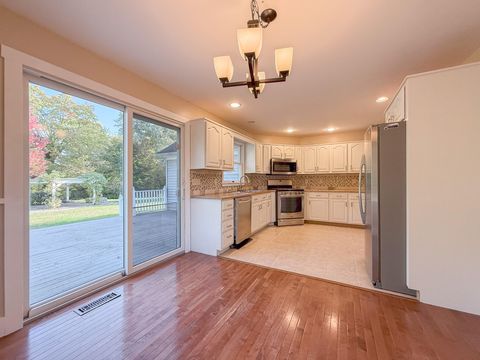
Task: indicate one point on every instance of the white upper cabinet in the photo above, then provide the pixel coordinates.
(339, 158)
(211, 146)
(227, 149)
(299, 159)
(309, 160)
(355, 153)
(396, 111)
(277, 151)
(283, 151)
(288, 152)
(267, 156)
(322, 155)
(258, 158)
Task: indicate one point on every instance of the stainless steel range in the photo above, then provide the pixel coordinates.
(289, 202)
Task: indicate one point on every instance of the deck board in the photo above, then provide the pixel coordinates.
(67, 256)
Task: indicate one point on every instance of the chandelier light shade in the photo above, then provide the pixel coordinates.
(284, 60)
(250, 41)
(223, 67)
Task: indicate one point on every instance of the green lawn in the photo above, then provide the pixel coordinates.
(61, 216)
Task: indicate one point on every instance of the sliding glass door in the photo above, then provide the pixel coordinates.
(96, 168)
(156, 189)
(75, 186)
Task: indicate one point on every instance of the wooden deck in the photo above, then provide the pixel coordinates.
(202, 307)
(67, 256)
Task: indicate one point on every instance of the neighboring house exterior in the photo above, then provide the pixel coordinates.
(170, 155)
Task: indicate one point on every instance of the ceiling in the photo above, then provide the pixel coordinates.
(346, 52)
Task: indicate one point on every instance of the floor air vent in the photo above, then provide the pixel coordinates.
(96, 303)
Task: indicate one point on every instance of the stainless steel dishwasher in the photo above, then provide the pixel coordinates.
(243, 220)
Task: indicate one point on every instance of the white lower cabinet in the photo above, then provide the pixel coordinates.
(333, 207)
(212, 225)
(273, 208)
(261, 211)
(256, 217)
(338, 207)
(317, 207)
(354, 216)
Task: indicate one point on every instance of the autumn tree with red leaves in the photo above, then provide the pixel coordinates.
(37, 147)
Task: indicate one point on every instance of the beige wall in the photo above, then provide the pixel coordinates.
(333, 138)
(474, 57)
(314, 139)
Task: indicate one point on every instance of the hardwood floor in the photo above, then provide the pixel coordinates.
(201, 307)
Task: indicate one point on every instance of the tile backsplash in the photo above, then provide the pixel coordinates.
(210, 181)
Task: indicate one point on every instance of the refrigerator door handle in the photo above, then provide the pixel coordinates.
(363, 170)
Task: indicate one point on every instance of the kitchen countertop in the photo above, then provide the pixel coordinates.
(345, 190)
(231, 195)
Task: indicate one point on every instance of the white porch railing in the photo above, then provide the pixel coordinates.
(149, 200)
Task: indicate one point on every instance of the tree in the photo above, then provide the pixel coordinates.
(54, 189)
(111, 166)
(148, 140)
(77, 140)
(37, 147)
(95, 183)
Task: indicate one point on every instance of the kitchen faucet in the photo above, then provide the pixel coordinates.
(244, 180)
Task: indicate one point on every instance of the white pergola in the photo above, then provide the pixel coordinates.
(56, 183)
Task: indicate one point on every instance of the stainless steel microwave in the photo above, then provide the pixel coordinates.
(283, 167)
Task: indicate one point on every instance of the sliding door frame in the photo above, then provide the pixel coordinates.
(104, 279)
(132, 111)
(17, 64)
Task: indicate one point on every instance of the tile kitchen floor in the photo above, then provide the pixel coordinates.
(327, 252)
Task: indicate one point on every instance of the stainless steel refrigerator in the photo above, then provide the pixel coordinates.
(382, 190)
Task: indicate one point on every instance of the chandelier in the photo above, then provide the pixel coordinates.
(250, 45)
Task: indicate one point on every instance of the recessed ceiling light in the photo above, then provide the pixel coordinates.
(290, 130)
(330, 129)
(235, 105)
(381, 99)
